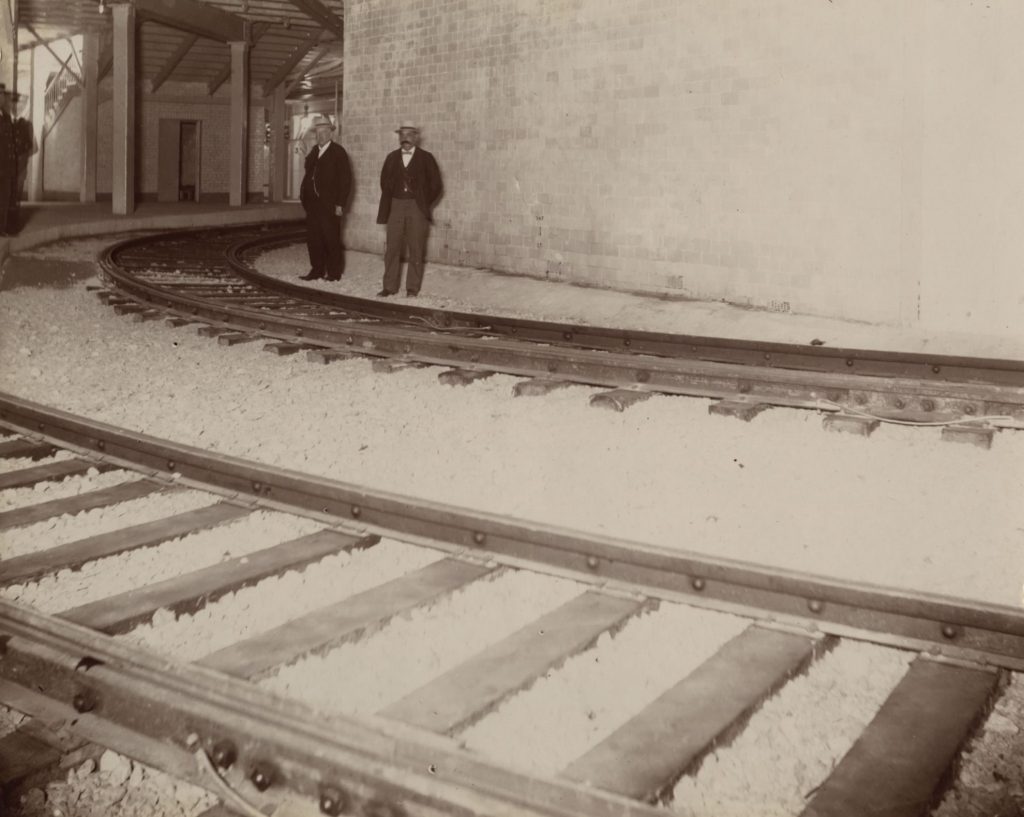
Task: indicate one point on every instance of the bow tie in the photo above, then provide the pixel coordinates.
(406, 151)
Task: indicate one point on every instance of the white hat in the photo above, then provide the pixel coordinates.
(321, 121)
(407, 126)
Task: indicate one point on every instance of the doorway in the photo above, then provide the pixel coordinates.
(178, 159)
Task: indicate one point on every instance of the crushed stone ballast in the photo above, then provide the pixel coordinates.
(208, 723)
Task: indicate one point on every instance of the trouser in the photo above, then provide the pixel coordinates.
(407, 228)
(323, 239)
(6, 199)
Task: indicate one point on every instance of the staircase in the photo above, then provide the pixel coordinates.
(63, 86)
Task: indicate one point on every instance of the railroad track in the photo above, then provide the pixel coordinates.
(235, 713)
(207, 278)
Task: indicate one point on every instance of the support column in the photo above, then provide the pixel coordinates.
(278, 145)
(8, 45)
(90, 118)
(37, 116)
(124, 110)
(239, 131)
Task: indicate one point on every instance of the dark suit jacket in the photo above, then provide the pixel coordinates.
(426, 177)
(328, 180)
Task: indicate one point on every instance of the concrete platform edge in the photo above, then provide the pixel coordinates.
(126, 224)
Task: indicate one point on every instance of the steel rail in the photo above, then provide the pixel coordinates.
(818, 358)
(940, 625)
(809, 357)
(894, 398)
(173, 715)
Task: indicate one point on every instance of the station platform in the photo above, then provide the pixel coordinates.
(43, 222)
(468, 289)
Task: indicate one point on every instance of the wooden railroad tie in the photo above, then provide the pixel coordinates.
(981, 436)
(463, 377)
(739, 409)
(850, 424)
(326, 356)
(538, 387)
(619, 399)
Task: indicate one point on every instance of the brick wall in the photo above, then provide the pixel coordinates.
(972, 167)
(763, 152)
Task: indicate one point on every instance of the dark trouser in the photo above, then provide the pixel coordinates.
(7, 215)
(323, 238)
(407, 227)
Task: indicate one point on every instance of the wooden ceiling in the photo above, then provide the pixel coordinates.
(297, 43)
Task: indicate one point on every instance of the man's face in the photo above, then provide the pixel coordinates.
(408, 138)
(323, 135)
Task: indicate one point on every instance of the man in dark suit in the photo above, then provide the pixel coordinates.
(8, 164)
(326, 187)
(410, 186)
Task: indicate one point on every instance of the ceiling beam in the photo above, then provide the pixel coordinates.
(194, 17)
(172, 61)
(281, 74)
(321, 14)
(27, 46)
(65, 63)
(312, 64)
(258, 31)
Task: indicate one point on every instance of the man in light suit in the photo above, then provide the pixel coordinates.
(326, 187)
(410, 186)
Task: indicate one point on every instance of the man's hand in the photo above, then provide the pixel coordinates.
(339, 210)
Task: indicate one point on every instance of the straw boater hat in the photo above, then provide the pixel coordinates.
(321, 122)
(407, 126)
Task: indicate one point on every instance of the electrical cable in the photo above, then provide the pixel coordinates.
(227, 794)
(962, 421)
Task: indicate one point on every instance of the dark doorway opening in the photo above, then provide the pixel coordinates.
(178, 160)
(188, 167)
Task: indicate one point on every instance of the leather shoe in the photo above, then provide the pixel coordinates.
(411, 294)
(333, 278)
(310, 276)
(384, 294)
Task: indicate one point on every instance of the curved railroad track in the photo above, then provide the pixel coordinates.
(207, 277)
(208, 719)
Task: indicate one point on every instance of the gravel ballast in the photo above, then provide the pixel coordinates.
(365, 676)
(276, 600)
(792, 743)
(597, 691)
(902, 508)
(115, 786)
(60, 530)
(50, 490)
(119, 574)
